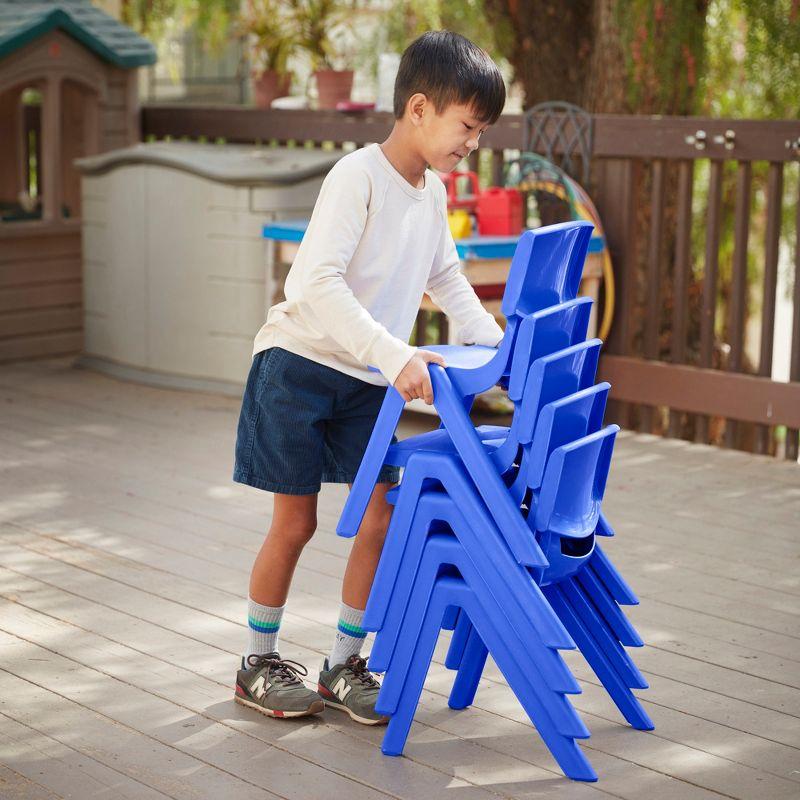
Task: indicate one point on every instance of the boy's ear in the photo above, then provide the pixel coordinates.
(415, 108)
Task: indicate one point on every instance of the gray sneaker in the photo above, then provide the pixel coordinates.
(351, 687)
(271, 685)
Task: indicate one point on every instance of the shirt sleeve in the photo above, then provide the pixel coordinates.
(334, 231)
(452, 292)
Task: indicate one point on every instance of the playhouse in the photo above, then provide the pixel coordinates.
(68, 89)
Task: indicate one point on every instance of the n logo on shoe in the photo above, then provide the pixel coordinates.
(257, 687)
(341, 689)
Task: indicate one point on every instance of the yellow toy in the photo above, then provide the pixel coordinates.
(460, 223)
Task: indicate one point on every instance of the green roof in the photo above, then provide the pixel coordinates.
(22, 21)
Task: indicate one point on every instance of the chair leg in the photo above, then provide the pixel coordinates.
(371, 463)
(406, 515)
(614, 652)
(405, 639)
(469, 672)
(459, 641)
(392, 604)
(611, 579)
(614, 616)
(400, 722)
(542, 706)
(627, 703)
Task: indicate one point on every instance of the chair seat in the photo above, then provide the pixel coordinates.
(464, 356)
(460, 356)
(440, 441)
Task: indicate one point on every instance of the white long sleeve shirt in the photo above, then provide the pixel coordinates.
(373, 246)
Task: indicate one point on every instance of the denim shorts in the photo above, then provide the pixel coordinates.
(303, 424)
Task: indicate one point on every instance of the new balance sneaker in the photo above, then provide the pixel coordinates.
(272, 686)
(351, 687)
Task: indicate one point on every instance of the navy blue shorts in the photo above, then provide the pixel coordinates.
(303, 424)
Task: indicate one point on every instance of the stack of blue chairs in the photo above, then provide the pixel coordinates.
(494, 530)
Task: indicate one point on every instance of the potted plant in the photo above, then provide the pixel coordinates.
(318, 23)
(273, 34)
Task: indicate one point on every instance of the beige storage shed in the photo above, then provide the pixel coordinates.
(177, 274)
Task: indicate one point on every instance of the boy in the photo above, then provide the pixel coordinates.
(377, 240)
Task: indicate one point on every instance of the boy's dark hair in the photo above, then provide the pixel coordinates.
(448, 68)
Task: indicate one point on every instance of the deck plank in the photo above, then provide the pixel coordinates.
(40, 766)
(132, 666)
(117, 513)
(318, 590)
(319, 636)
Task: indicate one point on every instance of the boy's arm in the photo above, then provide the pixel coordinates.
(336, 226)
(452, 292)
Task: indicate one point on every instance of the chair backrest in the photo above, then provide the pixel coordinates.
(560, 422)
(574, 484)
(546, 268)
(552, 374)
(545, 332)
(555, 376)
(545, 271)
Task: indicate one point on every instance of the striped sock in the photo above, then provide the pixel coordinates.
(349, 635)
(263, 624)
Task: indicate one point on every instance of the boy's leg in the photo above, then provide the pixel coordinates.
(294, 520)
(265, 682)
(345, 682)
(359, 574)
(367, 547)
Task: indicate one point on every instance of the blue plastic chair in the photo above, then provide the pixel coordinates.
(435, 590)
(572, 487)
(546, 270)
(567, 511)
(456, 503)
(458, 548)
(564, 372)
(540, 334)
(560, 423)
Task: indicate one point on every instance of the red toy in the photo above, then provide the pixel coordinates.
(499, 212)
(456, 199)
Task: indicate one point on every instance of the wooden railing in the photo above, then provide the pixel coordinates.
(690, 281)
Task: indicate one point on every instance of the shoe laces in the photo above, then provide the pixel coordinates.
(358, 666)
(283, 669)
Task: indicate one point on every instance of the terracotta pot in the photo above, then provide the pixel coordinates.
(269, 85)
(333, 86)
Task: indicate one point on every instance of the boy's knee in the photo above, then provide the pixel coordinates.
(297, 535)
(375, 525)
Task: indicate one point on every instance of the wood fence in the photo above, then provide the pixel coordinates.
(691, 350)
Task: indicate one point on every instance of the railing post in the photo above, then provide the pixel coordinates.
(771, 245)
(617, 195)
(792, 443)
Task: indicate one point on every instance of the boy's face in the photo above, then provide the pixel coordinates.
(444, 138)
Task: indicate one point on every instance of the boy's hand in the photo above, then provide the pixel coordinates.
(414, 380)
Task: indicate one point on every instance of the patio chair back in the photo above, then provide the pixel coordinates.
(546, 268)
(563, 421)
(568, 505)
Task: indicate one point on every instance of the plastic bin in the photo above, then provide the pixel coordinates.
(177, 277)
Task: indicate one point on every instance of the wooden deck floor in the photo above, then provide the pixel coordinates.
(124, 556)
